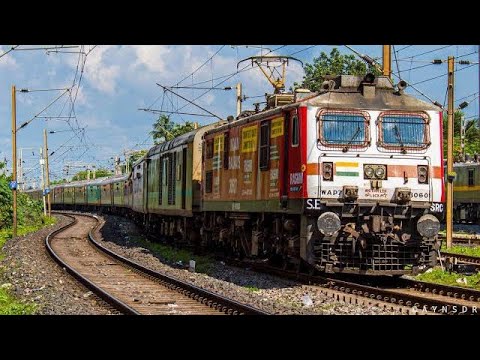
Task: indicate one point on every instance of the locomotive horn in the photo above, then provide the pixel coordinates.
(369, 78)
(402, 84)
(328, 85)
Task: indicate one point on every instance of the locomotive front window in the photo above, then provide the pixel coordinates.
(403, 131)
(348, 129)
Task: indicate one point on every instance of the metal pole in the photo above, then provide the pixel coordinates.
(20, 170)
(14, 157)
(462, 136)
(239, 98)
(450, 175)
(47, 175)
(42, 167)
(387, 60)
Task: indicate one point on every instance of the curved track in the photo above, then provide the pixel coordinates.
(126, 285)
(404, 295)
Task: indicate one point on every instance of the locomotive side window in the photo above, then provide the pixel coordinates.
(295, 131)
(471, 177)
(226, 150)
(265, 145)
(343, 128)
(209, 150)
(208, 181)
(403, 131)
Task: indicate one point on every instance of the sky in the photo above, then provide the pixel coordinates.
(98, 117)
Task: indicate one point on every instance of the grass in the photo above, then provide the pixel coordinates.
(443, 277)
(462, 250)
(9, 305)
(203, 264)
(252, 288)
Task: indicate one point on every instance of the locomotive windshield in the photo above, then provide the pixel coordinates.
(403, 130)
(343, 128)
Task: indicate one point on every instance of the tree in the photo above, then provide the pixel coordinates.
(134, 156)
(82, 175)
(472, 136)
(165, 130)
(333, 64)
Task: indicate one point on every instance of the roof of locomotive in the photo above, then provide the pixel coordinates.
(346, 93)
(466, 164)
(167, 145)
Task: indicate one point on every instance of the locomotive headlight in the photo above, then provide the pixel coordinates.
(428, 226)
(327, 171)
(369, 172)
(328, 223)
(422, 174)
(380, 172)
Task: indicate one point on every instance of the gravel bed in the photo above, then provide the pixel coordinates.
(268, 292)
(34, 277)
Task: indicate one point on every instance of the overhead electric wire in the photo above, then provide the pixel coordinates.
(9, 50)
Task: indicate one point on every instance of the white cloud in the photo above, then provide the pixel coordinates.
(99, 74)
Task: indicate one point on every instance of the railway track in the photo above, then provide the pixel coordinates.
(128, 286)
(405, 295)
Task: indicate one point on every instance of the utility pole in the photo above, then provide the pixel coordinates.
(14, 158)
(47, 175)
(462, 136)
(387, 60)
(239, 98)
(450, 174)
(42, 167)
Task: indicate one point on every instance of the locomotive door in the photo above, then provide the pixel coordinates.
(294, 176)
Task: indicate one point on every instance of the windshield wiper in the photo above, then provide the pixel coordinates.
(399, 137)
(345, 149)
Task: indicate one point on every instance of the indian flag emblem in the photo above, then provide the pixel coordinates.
(346, 169)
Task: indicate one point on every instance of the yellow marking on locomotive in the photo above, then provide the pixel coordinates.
(466, 188)
(276, 128)
(218, 144)
(249, 139)
(346, 164)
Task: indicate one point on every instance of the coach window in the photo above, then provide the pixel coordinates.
(295, 131)
(471, 177)
(265, 145)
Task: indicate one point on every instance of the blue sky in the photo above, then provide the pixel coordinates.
(117, 80)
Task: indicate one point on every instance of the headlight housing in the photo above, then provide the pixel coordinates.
(380, 172)
(328, 223)
(371, 172)
(422, 174)
(327, 171)
(428, 226)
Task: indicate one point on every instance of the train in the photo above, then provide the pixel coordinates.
(466, 187)
(348, 179)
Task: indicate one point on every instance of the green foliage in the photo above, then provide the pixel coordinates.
(462, 250)
(472, 136)
(165, 130)
(443, 277)
(135, 156)
(10, 306)
(333, 64)
(57, 182)
(252, 288)
(82, 175)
